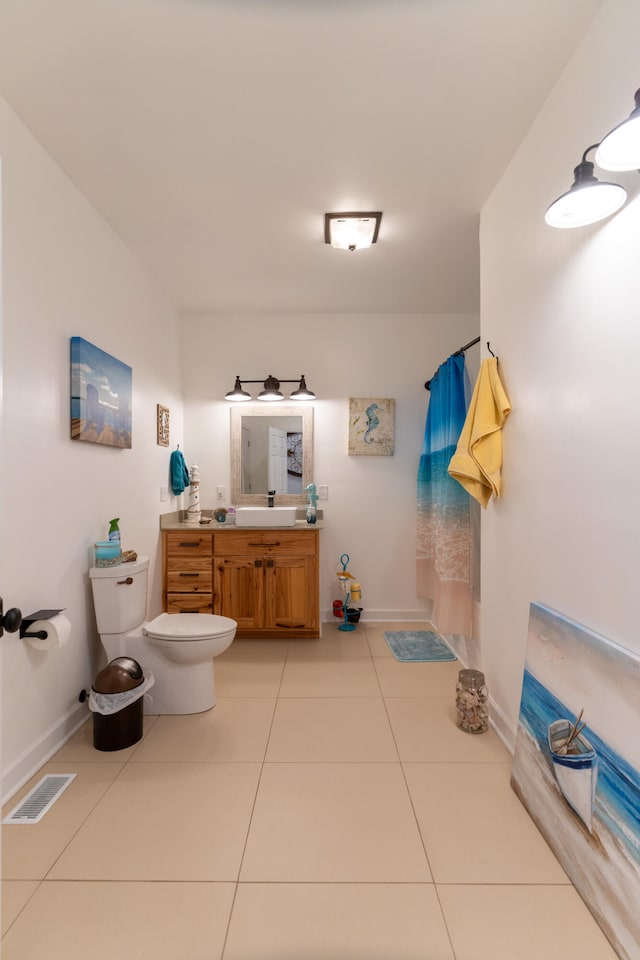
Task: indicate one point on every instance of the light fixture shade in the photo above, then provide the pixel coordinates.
(351, 231)
(303, 392)
(271, 392)
(620, 149)
(237, 395)
(587, 201)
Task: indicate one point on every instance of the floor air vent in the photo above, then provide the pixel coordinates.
(33, 807)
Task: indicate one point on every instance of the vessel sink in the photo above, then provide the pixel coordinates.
(265, 516)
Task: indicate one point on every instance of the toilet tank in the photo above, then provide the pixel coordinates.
(120, 595)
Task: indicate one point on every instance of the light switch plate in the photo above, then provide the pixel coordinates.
(323, 491)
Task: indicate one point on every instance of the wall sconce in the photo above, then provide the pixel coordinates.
(271, 392)
(620, 149)
(589, 200)
(351, 231)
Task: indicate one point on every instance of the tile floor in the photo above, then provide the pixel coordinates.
(328, 808)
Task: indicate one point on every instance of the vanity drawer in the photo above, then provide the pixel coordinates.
(188, 575)
(189, 603)
(189, 544)
(264, 543)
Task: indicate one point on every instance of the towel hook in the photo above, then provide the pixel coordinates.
(489, 348)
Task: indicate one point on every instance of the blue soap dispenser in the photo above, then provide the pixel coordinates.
(312, 496)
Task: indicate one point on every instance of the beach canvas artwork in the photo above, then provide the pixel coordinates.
(101, 389)
(576, 765)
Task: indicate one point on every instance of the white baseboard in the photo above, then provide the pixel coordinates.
(502, 726)
(37, 754)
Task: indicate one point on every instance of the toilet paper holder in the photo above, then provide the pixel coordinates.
(33, 618)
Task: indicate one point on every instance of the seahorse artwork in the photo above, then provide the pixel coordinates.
(371, 426)
(372, 422)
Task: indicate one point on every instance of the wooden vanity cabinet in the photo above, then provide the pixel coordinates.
(188, 573)
(267, 581)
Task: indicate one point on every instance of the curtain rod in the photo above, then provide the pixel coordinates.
(457, 353)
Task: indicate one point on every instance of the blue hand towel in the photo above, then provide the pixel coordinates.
(179, 473)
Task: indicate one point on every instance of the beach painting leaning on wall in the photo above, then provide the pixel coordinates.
(576, 765)
(100, 396)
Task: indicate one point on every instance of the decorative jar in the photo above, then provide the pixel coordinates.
(472, 699)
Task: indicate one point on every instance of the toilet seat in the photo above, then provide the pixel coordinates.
(188, 626)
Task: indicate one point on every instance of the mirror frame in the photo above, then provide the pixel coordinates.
(268, 410)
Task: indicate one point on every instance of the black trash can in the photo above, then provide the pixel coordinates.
(122, 728)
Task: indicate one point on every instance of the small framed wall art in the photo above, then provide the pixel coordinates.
(371, 427)
(101, 389)
(163, 426)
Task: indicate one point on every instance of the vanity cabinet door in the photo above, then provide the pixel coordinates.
(239, 591)
(290, 594)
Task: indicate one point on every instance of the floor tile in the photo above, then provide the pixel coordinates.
(166, 921)
(426, 730)
(236, 729)
(15, 895)
(376, 631)
(166, 821)
(337, 922)
(29, 850)
(334, 644)
(80, 747)
(333, 822)
(527, 922)
(474, 827)
(417, 679)
(255, 649)
(247, 677)
(348, 729)
(330, 678)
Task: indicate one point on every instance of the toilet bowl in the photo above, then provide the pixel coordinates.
(178, 648)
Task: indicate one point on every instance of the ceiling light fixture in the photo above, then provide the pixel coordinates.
(620, 149)
(588, 200)
(351, 231)
(271, 392)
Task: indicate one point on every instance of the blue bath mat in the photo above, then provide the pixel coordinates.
(417, 645)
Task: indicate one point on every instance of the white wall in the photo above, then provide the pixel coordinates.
(371, 510)
(561, 309)
(66, 273)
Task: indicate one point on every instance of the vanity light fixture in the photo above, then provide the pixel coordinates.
(271, 390)
(620, 149)
(588, 200)
(351, 231)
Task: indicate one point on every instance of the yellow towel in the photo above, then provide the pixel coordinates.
(477, 462)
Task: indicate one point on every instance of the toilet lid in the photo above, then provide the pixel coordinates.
(188, 626)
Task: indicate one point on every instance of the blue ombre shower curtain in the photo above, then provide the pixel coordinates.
(443, 561)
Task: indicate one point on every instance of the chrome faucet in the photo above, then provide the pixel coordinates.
(271, 498)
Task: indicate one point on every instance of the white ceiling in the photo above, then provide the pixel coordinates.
(213, 135)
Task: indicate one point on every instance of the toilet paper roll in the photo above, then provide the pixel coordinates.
(58, 630)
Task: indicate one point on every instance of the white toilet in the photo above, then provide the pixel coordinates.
(178, 648)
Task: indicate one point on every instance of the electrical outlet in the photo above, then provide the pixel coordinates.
(323, 491)
(221, 492)
(164, 493)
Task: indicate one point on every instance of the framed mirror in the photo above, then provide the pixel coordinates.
(271, 449)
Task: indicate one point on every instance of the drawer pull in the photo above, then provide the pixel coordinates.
(257, 563)
(271, 563)
(190, 543)
(182, 574)
(276, 544)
